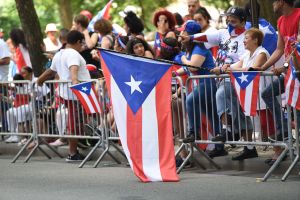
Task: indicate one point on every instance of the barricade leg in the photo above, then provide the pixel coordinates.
(296, 160)
(22, 149)
(90, 154)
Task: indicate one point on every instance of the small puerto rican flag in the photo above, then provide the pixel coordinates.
(246, 85)
(87, 96)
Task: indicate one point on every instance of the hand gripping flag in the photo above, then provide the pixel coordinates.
(246, 85)
(140, 92)
(87, 97)
(292, 87)
(104, 13)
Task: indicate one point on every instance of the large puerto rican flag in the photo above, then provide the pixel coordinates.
(292, 87)
(246, 86)
(87, 96)
(140, 92)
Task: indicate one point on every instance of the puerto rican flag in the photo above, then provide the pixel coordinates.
(270, 35)
(104, 13)
(292, 87)
(246, 85)
(87, 96)
(140, 92)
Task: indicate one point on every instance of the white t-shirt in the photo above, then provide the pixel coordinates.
(230, 49)
(50, 46)
(4, 53)
(61, 63)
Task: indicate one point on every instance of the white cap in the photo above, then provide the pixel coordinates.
(50, 27)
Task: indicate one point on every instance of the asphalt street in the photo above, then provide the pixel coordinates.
(44, 179)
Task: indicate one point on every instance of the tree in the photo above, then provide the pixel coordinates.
(65, 12)
(33, 35)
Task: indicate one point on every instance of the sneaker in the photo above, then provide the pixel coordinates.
(222, 136)
(57, 143)
(179, 162)
(189, 138)
(75, 158)
(217, 153)
(12, 139)
(245, 154)
(219, 138)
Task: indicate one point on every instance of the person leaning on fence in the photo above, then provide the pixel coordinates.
(288, 30)
(254, 57)
(200, 101)
(70, 66)
(231, 49)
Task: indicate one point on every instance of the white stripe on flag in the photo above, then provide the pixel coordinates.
(295, 93)
(150, 143)
(95, 99)
(248, 99)
(88, 102)
(120, 114)
(287, 89)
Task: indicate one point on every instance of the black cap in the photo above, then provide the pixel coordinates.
(236, 12)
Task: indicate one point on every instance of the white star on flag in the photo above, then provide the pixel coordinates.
(265, 29)
(243, 78)
(134, 85)
(84, 89)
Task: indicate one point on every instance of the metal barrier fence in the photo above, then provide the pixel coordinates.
(214, 116)
(196, 109)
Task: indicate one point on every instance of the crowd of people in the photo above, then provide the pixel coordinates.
(188, 40)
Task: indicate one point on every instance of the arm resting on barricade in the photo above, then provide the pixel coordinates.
(45, 76)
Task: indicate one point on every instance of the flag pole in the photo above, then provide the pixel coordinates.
(155, 59)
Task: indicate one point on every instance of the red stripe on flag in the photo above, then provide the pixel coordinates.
(82, 101)
(92, 100)
(106, 74)
(165, 135)
(242, 98)
(134, 142)
(255, 90)
(106, 12)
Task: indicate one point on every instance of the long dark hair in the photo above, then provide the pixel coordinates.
(17, 36)
(134, 41)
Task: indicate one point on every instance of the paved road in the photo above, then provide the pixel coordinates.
(43, 179)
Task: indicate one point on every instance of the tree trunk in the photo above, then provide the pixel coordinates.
(240, 3)
(65, 12)
(266, 11)
(33, 35)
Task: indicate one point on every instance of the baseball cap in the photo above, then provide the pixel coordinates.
(236, 12)
(191, 27)
(50, 27)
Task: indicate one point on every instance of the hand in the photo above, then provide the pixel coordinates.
(184, 38)
(216, 71)
(278, 71)
(174, 74)
(39, 82)
(225, 67)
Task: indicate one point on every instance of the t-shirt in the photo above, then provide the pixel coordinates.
(4, 53)
(209, 61)
(288, 29)
(50, 46)
(61, 63)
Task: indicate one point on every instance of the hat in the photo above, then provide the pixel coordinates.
(50, 27)
(191, 27)
(236, 12)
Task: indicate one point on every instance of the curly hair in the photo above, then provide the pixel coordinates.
(169, 15)
(134, 23)
(103, 26)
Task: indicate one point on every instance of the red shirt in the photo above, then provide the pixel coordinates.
(288, 29)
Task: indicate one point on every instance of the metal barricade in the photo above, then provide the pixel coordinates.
(16, 104)
(214, 116)
(110, 136)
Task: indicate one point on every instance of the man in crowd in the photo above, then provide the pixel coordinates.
(193, 6)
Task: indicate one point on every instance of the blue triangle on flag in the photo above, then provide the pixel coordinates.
(135, 77)
(244, 78)
(84, 87)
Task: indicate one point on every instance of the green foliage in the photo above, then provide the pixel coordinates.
(223, 4)
(9, 17)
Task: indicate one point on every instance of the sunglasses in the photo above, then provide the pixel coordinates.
(163, 20)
